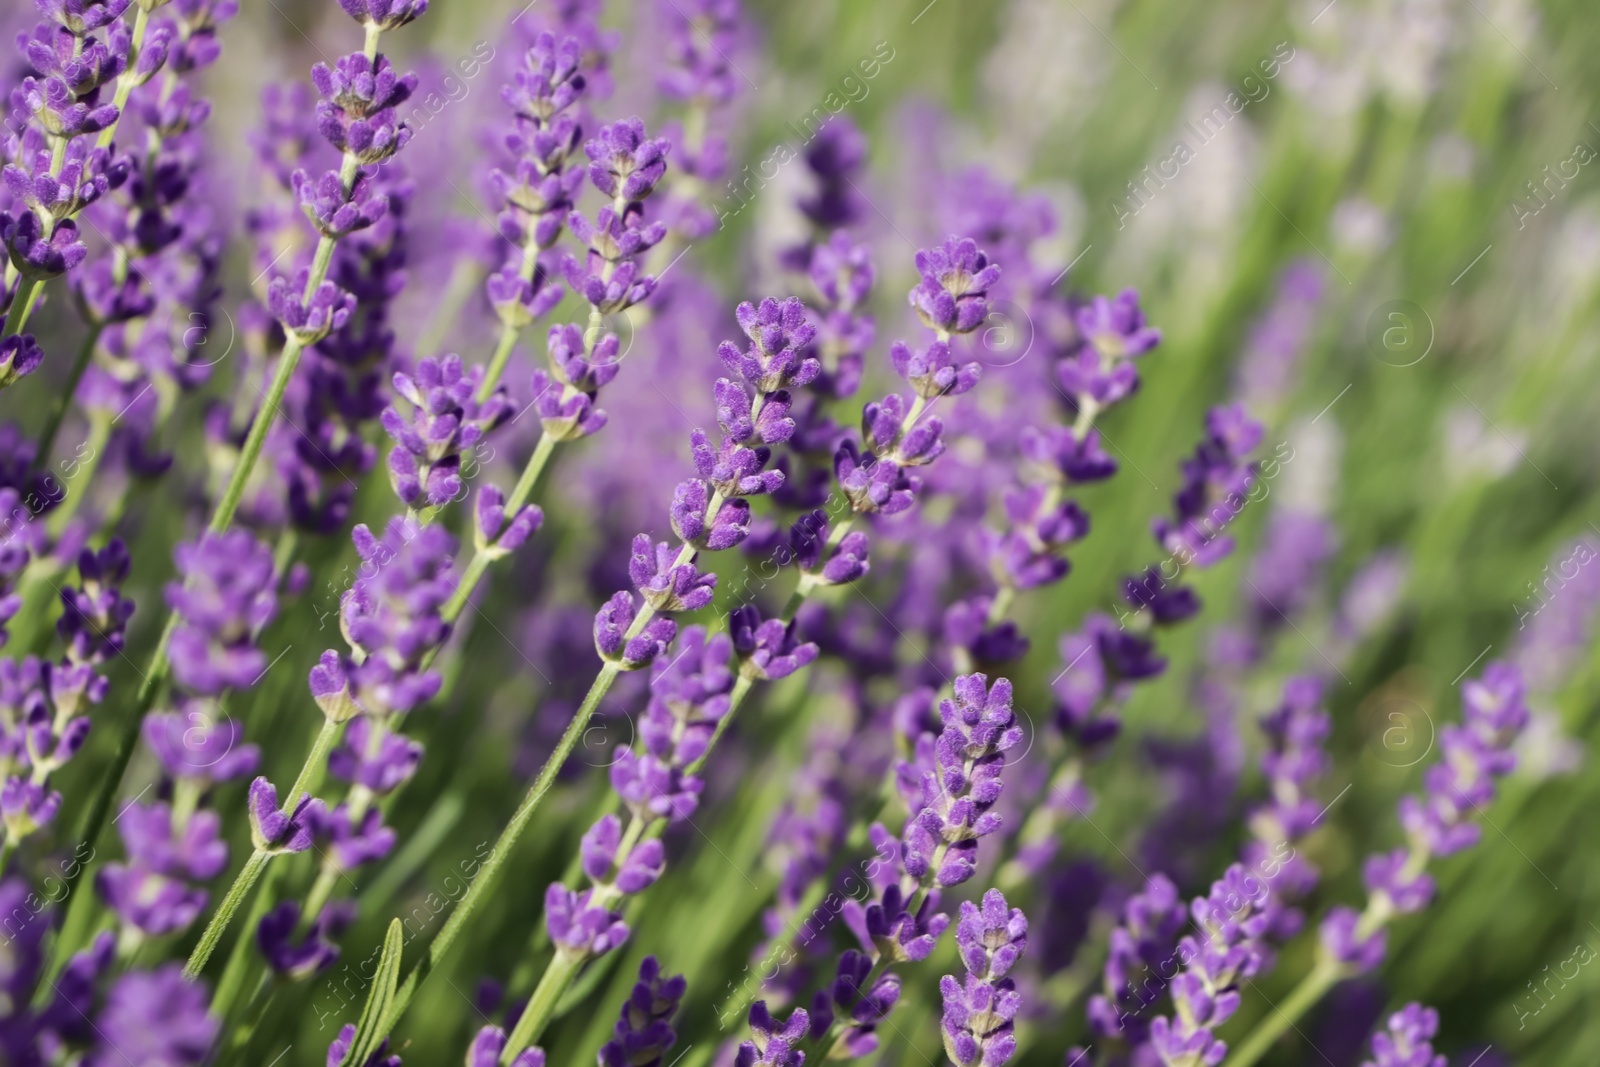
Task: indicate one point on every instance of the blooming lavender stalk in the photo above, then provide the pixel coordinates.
(701, 36)
(48, 720)
(56, 171)
(626, 165)
(708, 511)
(978, 1013)
(1105, 655)
(1406, 1040)
(958, 784)
(538, 192)
(357, 118)
(1475, 753)
(170, 845)
(643, 1034)
(149, 307)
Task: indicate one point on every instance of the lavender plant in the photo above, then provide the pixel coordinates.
(734, 735)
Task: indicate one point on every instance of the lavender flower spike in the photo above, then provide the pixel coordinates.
(978, 1014)
(1405, 1040)
(644, 1033)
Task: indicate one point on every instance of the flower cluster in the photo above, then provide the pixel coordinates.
(689, 696)
(978, 1013)
(539, 189)
(643, 1034)
(446, 420)
(1474, 754)
(1406, 1040)
(171, 845)
(44, 706)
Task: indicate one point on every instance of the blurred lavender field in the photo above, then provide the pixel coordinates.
(1088, 500)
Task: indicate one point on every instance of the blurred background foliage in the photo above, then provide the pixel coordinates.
(1393, 153)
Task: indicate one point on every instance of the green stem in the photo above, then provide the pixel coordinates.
(219, 922)
(21, 305)
(141, 20)
(561, 970)
(484, 883)
(497, 362)
(1285, 1014)
(557, 977)
(7, 850)
(304, 783)
(240, 958)
(77, 488)
(47, 438)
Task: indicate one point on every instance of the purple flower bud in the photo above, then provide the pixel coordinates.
(81, 17)
(378, 764)
(1406, 890)
(886, 928)
(308, 322)
(34, 253)
(340, 1048)
(636, 872)
(495, 536)
(191, 745)
(1341, 941)
(578, 928)
(654, 789)
(26, 806)
(845, 562)
(643, 1034)
(666, 585)
(362, 87)
(274, 831)
(572, 363)
(978, 1020)
(767, 650)
(690, 501)
(335, 212)
(330, 688)
(625, 163)
(956, 279)
(873, 485)
(771, 1044)
(734, 470)
(991, 938)
(384, 15)
(520, 301)
(154, 1017)
(611, 638)
(1063, 455)
(934, 373)
(315, 953)
(565, 414)
(226, 597)
(352, 843)
(842, 271)
(1116, 328)
(1406, 1040)
(490, 1042)
(20, 356)
(445, 421)
(779, 334)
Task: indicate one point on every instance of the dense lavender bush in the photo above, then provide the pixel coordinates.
(471, 592)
